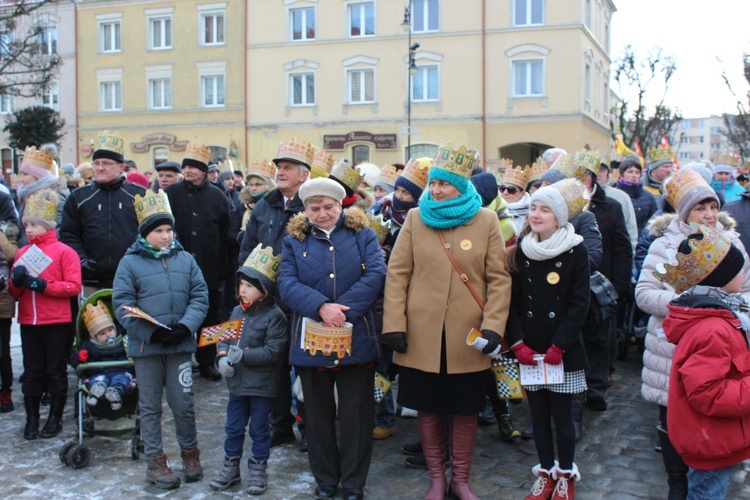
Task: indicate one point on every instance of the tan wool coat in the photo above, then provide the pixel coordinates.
(424, 293)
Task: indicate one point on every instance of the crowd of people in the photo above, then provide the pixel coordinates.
(341, 275)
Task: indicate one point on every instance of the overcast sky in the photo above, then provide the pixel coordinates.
(695, 33)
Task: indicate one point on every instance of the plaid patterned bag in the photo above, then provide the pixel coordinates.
(508, 378)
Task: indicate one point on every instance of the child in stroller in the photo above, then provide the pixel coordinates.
(105, 344)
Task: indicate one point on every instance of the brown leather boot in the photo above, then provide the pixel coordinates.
(432, 435)
(191, 464)
(159, 474)
(463, 437)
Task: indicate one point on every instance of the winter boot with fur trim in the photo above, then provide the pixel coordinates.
(565, 489)
(544, 484)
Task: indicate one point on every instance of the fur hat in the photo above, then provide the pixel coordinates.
(566, 199)
(321, 186)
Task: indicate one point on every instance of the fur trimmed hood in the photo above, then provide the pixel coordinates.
(364, 200)
(354, 218)
(658, 225)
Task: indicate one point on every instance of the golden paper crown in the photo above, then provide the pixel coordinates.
(197, 152)
(588, 160)
(300, 151)
(39, 158)
(381, 226)
(659, 153)
(151, 204)
(457, 161)
(263, 168)
(322, 164)
(347, 174)
(681, 184)
(42, 204)
(417, 171)
(388, 175)
(110, 141)
(705, 255)
(97, 318)
(537, 169)
(516, 176)
(575, 195)
(263, 261)
(564, 164)
(505, 163)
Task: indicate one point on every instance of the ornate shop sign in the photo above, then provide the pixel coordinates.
(339, 142)
(159, 138)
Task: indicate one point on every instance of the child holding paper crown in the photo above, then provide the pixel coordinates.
(45, 275)
(158, 276)
(549, 303)
(105, 344)
(709, 394)
(252, 367)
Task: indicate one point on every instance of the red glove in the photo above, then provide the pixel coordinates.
(524, 354)
(83, 355)
(553, 356)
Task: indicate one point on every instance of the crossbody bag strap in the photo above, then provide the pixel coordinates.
(464, 278)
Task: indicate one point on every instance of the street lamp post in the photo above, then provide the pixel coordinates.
(406, 25)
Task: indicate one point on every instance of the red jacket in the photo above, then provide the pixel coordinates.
(709, 389)
(63, 277)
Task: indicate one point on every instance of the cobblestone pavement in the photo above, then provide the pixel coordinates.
(616, 456)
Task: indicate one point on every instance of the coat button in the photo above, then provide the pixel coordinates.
(330, 275)
(530, 297)
(526, 264)
(529, 280)
(195, 233)
(335, 361)
(529, 314)
(330, 248)
(551, 315)
(558, 264)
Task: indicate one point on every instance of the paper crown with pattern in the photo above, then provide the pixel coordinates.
(537, 169)
(457, 161)
(151, 204)
(264, 261)
(42, 205)
(39, 158)
(588, 160)
(659, 153)
(110, 141)
(297, 151)
(97, 318)
(348, 174)
(198, 152)
(417, 171)
(263, 168)
(516, 176)
(690, 269)
(388, 175)
(565, 165)
(381, 226)
(574, 193)
(681, 184)
(322, 164)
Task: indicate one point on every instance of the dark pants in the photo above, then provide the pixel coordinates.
(597, 338)
(6, 363)
(543, 404)
(240, 410)
(207, 355)
(282, 418)
(346, 461)
(676, 468)
(45, 357)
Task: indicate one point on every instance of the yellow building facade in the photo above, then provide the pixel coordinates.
(163, 73)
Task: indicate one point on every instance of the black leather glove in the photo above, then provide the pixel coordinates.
(167, 337)
(21, 278)
(396, 342)
(181, 331)
(88, 267)
(493, 341)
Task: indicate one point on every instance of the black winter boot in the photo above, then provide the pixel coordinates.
(577, 409)
(31, 431)
(53, 426)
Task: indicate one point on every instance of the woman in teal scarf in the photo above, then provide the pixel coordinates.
(429, 311)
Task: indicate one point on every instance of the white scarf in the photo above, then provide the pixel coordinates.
(561, 241)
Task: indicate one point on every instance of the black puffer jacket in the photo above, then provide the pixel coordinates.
(267, 224)
(586, 226)
(99, 223)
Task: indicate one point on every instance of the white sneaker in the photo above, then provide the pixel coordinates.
(408, 412)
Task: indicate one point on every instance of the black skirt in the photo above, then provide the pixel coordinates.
(448, 394)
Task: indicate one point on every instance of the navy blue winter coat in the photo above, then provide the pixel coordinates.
(346, 268)
(644, 203)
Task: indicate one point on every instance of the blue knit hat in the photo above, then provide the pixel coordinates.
(486, 185)
(457, 181)
(412, 188)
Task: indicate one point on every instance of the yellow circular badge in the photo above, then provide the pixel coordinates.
(553, 278)
(466, 245)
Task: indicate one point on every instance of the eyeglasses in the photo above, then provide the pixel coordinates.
(509, 189)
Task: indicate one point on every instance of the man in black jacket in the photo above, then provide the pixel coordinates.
(202, 222)
(98, 220)
(267, 226)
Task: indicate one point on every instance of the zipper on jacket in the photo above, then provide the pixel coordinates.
(295, 336)
(367, 324)
(169, 285)
(33, 306)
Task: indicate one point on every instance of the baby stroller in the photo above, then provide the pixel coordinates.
(76, 453)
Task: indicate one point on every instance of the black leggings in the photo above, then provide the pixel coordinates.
(545, 404)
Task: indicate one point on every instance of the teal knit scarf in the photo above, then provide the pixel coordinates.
(454, 212)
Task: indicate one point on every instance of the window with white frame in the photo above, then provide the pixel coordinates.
(160, 33)
(213, 28)
(528, 12)
(701, 124)
(425, 84)
(302, 89)
(587, 83)
(362, 19)
(49, 40)
(685, 124)
(684, 155)
(51, 96)
(110, 96)
(160, 93)
(528, 78)
(6, 104)
(425, 15)
(110, 36)
(605, 99)
(302, 23)
(214, 94)
(361, 85)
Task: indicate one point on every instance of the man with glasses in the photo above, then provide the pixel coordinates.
(99, 220)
